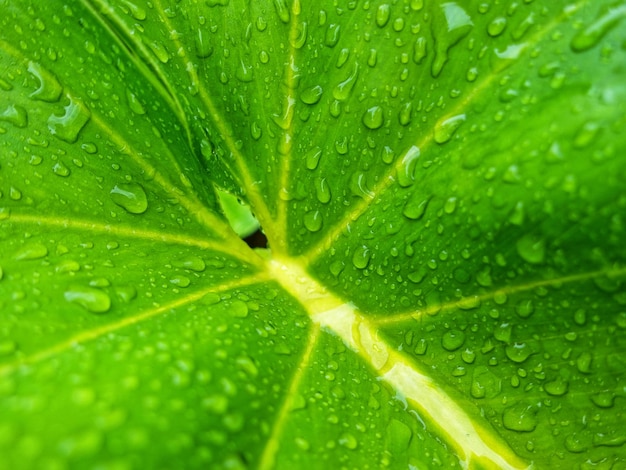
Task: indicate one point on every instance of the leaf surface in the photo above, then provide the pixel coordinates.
(442, 188)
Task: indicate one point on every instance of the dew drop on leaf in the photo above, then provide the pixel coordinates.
(556, 388)
(451, 24)
(343, 90)
(520, 418)
(406, 170)
(445, 128)
(497, 26)
(332, 35)
(531, 248)
(16, 115)
(361, 257)
(453, 340)
(415, 208)
(373, 117)
(382, 15)
(313, 221)
(60, 169)
(90, 298)
(312, 95)
(322, 190)
(518, 352)
(68, 126)
(348, 441)
(49, 87)
(180, 281)
(130, 196)
(525, 308)
(591, 34)
(313, 158)
(282, 10)
(30, 252)
(239, 309)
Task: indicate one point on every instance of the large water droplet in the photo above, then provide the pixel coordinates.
(312, 95)
(31, 251)
(322, 190)
(415, 207)
(382, 15)
(68, 126)
(445, 128)
(92, 299)
(591, 35)
(313, 221)
(451, 24)
(520, 418)
(130, 196)
(453, 340)
(518, 352)
(49, 87)
(16, 115)
(497, 26)
(406, 169)
(373, 117)
(361, 257)
(313, 158)
(343, 90)
(282, 10)
(531, 248)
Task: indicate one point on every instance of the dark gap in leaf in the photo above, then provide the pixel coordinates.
(256, 240)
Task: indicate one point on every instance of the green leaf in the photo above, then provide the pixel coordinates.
(442, 187)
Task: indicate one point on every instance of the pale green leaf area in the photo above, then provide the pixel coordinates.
(443, 189)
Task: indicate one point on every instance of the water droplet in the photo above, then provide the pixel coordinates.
(518, 352)
(180, 281)
(49, 87)
(556, 388)
(586, 135)
(406, 169)
(134, 104)
(342, 91)
(453, 340)
(451, 24)
(373, 117)
(300, 39)
(382, 15)
(576, 443)
(312, 95)
(520, 418)
(485, 384)
(332, 35)
(203, 45)
(591, 35)
(193, 263)
(302, 444)
(244, 71)
(361, 257)
(15, 194)
(313, 158)
(405, 113)
(282, 10)
(68, 126)
(603, 399)
(399, 436)
(504, 58)
(419, 50)
(159, 51)
(415, 207)
(130, 196)
(92, 299)
(60, 169)
(313, 221)
(239, 309)
(372, 59)
(525, 308)
(531, 248)
(16, 115)
(497, 26)
(136, 11)
(322, 190)
(348, 441)
(31, 251)
(445, 128)
(583, 362)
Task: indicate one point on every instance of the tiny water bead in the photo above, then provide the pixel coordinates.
(130, 196)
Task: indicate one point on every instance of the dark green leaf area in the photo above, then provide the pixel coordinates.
(200, 383)
(545, 367)
(326, 426)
